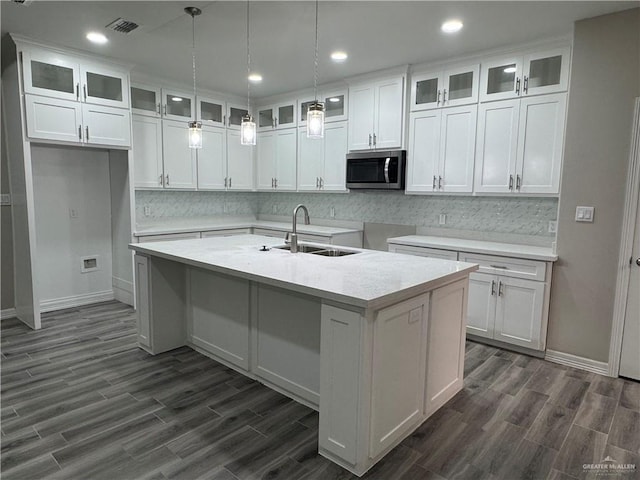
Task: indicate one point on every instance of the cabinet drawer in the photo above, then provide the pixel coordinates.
(170, 236)
(226, 233)
(424, 252)
(507, 266)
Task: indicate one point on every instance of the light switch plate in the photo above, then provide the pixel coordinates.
(584, 214)
(5, 199)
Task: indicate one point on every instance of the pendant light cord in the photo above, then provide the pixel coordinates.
(248, 64)
(315, 65)
(193, 49)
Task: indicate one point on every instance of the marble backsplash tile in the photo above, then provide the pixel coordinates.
(507, 215)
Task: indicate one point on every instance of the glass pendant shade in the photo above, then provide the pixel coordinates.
(195, 135)
(315, 120)
(248, 131)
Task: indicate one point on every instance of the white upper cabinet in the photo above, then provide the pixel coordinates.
(145, 100)
(519, 147)
(211, 111)
(375, 114)
(335, 106)
(212, 159)
(104, 86)
(147, 152)
(451, 87)
(178, 105)
(53, 119)
(266, 160)
(106, 125)
(239, 163)
(277, 160)
(235, 113)
(535, 73)
(441, 150)
(51, 74)
(310, 161)
(279, 116)
(180, 171)
(322, 162)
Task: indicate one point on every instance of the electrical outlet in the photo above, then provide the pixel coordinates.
(73, 213)
(442, 219)
(332, 212)
(553, 226)
(274, 208)
(5, 199)
(225, 207)
(147, 211)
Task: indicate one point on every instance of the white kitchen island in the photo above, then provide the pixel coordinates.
(373, 340)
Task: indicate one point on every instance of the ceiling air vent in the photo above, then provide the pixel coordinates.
(26, 3)
(121, 25)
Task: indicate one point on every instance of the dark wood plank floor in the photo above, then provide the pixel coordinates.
(81, 401)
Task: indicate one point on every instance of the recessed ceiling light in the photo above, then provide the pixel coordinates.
(334, 99)
(452, 26)
(255, 78)
(96, 37)
(510, 70)
(176, 99)
(339, 56)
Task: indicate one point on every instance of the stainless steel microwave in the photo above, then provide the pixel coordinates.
(381, 170)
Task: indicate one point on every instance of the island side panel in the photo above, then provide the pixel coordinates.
(446, 342)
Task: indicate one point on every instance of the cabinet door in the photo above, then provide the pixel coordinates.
(388, 114)
(266, 160)
(239, 163)
(481, 309)
(361, 116)
(461, 86)
(147, 152)
(211, 111)
(234, 115)
(519, 312)
(546, 72)
(212, 159)
(145, 100)
(540, 142)
(457, 148)
(310, 160)
(303, 108)
(333, 175)
(105, 86)
(501, 78)
(286, 115)
(426, 91)
(177, 106)
(51, 74)
(143, 300)
(179, 160)
(266, 118)
(424, 151)
(497, 146)
(53, 119)
(106, 125)
(286, 148)
(335, 106)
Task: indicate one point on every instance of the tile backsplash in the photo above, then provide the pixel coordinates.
(528, 216)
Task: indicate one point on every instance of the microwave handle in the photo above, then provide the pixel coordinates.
(386, 169)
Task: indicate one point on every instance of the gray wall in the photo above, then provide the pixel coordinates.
(605, 79)
(6, 236)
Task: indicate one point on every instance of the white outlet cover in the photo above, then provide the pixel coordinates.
(585, 214)
(5, 199)
(553, 226)
(442, 219)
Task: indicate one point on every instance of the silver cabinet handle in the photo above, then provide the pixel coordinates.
(500, 293)
(321, 183)
(434, 183)
(229, 182)
(80, 132)
(375, 140)
(271, 182)
(493, 287)
(77, 91)
(510, 182)
(165, 109)
(386, 169)
(439, 183)
(84, 90)
(87, 131)
(167, 179)
(518, 86)
(225, 182)
(525, 86)
(499, 266)
(369, 139)
(224, 119)
(160, 179)
(444, 96)
(158, 108)
(317, 182)
(275, 182)
(438, 101)
(518, 182)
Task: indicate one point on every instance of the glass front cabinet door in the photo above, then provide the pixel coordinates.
(51, 74)
(461, 86)
(426, 91)
(501, 79)
(234, 115)
(546, 72)
(335, 106)
(211, 112)
(266, 118)
(145, 100)
(286, 115)
(105, 86)
(177, 105)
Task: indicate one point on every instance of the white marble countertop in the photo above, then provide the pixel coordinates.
(370, 279)
(201, 224)
(477, 246)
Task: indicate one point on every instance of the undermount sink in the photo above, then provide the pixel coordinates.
(323, 251)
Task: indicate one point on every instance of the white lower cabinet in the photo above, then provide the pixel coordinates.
(519, 306)
(180, 170)
(482, 304)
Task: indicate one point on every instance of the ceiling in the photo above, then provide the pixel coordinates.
(375, 34)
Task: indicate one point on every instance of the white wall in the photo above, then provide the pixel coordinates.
(67, 178)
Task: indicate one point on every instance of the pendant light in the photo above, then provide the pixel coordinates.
(248, 126)
(315, 112)
(195, 127)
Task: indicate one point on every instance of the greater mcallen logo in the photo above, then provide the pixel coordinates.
(609, 466)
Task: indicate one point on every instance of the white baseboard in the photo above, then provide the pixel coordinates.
(7, 313)
(75, 301)
(601, 368)
(122, 290)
